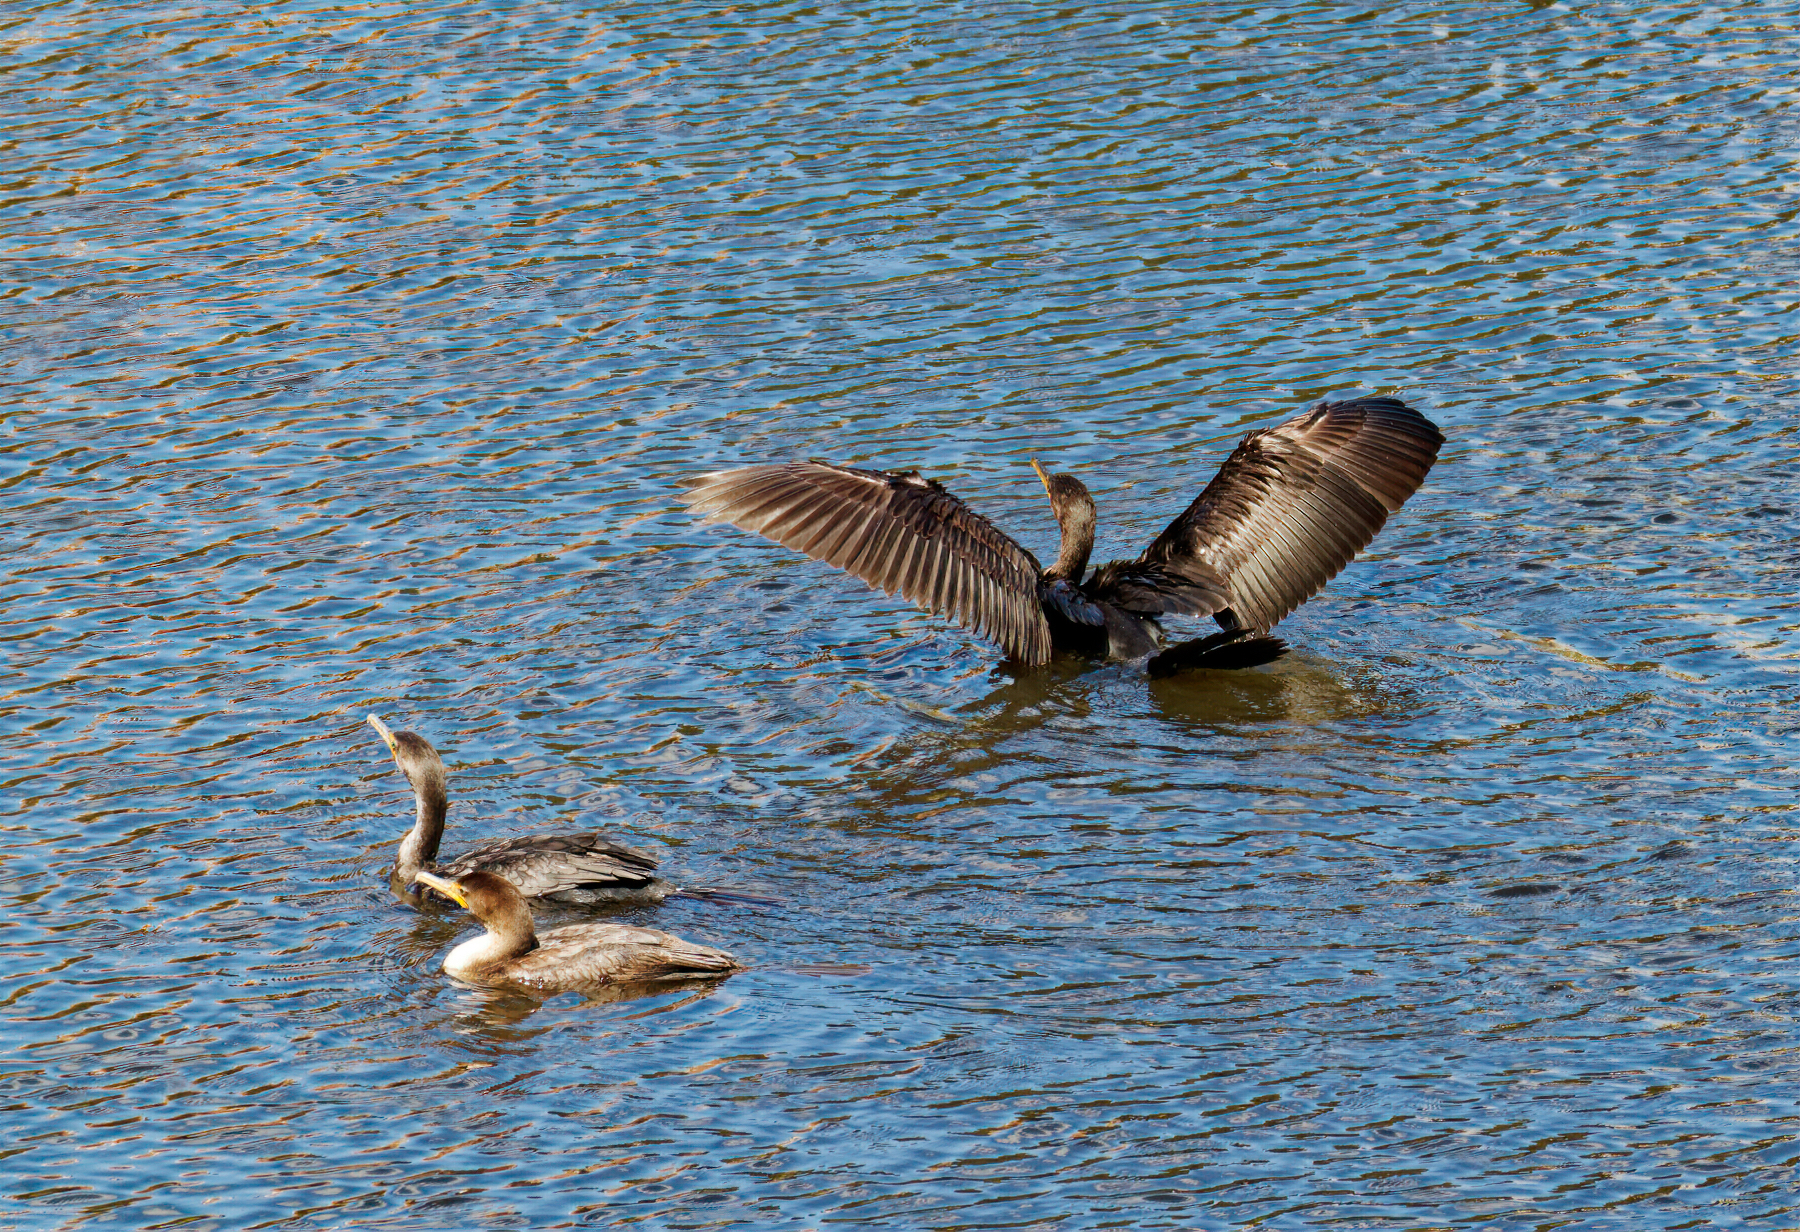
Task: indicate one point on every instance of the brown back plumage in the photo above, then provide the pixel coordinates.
(583, 955)
(1294, 503)
(897, 531)
(585, 865)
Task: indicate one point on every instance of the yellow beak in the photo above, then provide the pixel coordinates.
(1043, 478)
(381, 729)
(447, 888)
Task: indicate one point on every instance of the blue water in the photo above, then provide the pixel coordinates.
(352, 358)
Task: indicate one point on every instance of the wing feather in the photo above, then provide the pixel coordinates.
(938, 583)
(952, 596)
(896, 531)
(868, 555)
(590, 864)
(588, 955)
(842, 541)
(764, 502)
(1292, 505)
(919, 568)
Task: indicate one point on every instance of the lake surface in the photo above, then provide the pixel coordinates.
(352, 359)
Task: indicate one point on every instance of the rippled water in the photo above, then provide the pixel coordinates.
(353, 356)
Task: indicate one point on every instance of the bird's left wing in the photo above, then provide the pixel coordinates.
(896, 531)
(1289, 508)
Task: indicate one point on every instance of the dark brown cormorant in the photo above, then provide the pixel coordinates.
(589, 867)
(1291, 506)
(575, 956)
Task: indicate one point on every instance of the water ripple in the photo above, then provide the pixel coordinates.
(354, 358)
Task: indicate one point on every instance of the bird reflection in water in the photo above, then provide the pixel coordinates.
(1065, 723)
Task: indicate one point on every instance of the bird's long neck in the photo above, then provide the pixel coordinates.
(1072, 561)
(507, 937)
(420, 846)
(1077, 523)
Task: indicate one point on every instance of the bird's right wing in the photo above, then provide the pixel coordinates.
(897, 531)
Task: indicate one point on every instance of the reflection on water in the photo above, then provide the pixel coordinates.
(495, 1014)
(354, 358)
(1301, 691)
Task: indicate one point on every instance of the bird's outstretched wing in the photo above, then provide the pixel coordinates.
(897, 531)
(589, 866)
(1291, 506)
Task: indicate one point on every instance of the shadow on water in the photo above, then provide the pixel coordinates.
(1298, 689)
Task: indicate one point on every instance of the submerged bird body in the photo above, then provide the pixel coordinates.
(1289, 508)
(573, 957)
(585, 867)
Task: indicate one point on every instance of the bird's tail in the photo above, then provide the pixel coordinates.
(719, 894)
(687, 960)
(1233, 648)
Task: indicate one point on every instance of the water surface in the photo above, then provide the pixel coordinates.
(352, 360)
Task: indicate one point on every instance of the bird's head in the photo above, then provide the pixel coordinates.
(489, 897)
(417, 760)
(1073, 505)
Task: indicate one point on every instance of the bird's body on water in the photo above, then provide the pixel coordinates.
(576, 956)
(1289, 508)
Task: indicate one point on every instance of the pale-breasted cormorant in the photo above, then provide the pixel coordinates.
(572, 957)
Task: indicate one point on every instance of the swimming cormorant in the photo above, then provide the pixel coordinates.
(575, 956)
(588, 867)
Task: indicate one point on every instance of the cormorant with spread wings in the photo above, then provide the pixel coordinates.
(1291, 506)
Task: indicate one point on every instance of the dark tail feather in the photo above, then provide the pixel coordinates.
(1231, 649)
(718, 895)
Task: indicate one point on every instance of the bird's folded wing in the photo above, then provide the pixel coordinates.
(546, 864)
(896, 531)
(1183, 588)
(617, 953)
(1065, 599)
(1294, 503)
